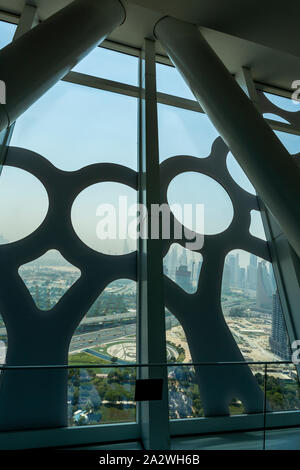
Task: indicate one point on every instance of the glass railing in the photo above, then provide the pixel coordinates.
(105, 393)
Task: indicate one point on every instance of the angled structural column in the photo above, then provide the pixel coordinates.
(260, 153)
(37, 60)
(27, 20)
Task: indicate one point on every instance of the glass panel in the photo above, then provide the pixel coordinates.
(89, 125)
(101, 396)
(252, 308)
(183, 132)
(185, 399)
(108, 330)
(111, 65)
(170, 81)
(7, 31)
(86, 296)
(283, 388)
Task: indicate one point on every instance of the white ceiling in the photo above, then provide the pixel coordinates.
(263, 35)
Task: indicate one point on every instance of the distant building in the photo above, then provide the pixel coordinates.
(279, 341)
(183, 278)
(251, 278)
(263, 287)
(226, 279)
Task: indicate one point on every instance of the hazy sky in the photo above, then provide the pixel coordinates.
(74, 126)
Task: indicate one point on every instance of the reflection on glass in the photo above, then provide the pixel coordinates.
(111, 65)
(252, 309)
(74, 126)
(183, 267)
(183, 132)
(101, 396)
(171, 82)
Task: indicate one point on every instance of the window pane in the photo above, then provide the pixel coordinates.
(195, 325)
(171, 82)
(73, 126)
(252, 308)
(7, 31)
(111, 65)
(84, 292)
(183, 132)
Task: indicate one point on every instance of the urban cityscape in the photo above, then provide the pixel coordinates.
(107, 335)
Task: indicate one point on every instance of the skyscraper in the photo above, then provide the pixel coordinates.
(279, 341)
(226, 279)
(264, 287)
(183, 278)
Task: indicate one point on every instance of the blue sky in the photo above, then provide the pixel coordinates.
(74, 126)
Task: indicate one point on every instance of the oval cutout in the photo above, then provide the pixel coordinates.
(104, 218)
(23, 204)
(192, 188)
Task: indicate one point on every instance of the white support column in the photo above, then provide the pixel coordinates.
(36, 61)
(154, 415)
(260, 153)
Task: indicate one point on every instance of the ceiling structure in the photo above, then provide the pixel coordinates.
(261, 35)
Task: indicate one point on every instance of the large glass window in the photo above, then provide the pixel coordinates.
(171, 82)
(72, 158)
(111, 65)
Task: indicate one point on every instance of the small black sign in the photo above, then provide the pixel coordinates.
(148, 389)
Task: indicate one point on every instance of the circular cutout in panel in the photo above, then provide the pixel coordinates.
(23, 204)
(284, 103)
(104, 218)
(199, 201)
(238, 174)
(183, 267)
(275, 117)
(256, 227)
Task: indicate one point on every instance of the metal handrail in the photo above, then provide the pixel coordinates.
(161, 364)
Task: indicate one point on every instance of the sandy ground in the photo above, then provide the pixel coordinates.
(177, 336)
